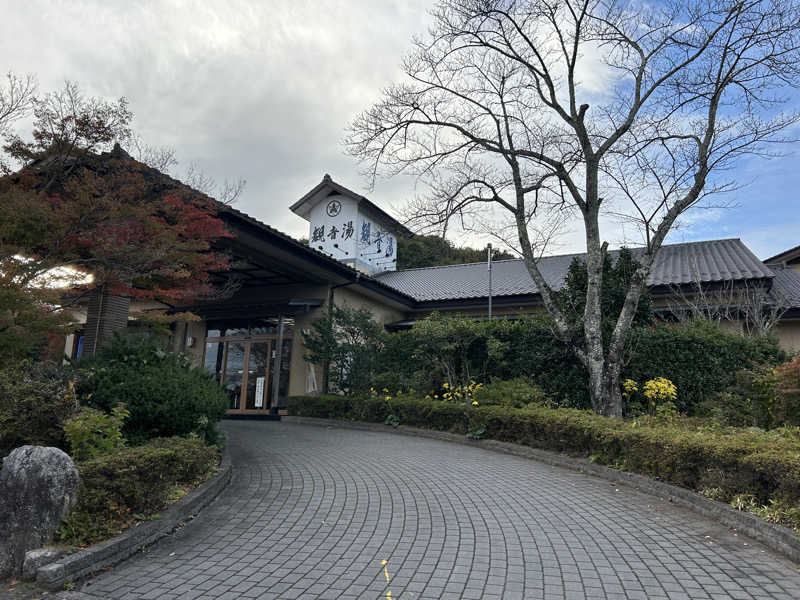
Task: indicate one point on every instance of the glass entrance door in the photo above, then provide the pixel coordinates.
(243, 358)
(258, 376)
(234, 376)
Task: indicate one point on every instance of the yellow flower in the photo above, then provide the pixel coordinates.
(660, 388)
(436, 396)
(385, 391)
(388, 398)
(445, 385)
(474, 403)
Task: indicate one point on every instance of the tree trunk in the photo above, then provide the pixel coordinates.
(611, 405)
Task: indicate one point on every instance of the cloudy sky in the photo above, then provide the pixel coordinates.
(263, 90)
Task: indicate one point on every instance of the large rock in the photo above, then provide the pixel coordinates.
(38, 487)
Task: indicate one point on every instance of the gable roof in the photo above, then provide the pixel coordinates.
(328, 186)
(675, 264)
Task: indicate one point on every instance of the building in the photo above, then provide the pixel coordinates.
(252, 340)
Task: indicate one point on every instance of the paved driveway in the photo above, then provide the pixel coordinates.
(313, 512)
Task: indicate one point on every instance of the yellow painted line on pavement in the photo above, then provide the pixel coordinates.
(386, 573)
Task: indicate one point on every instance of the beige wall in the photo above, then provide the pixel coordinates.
(789, 334)
(301, 372)
(381, 311)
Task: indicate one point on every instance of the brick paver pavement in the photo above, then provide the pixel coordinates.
(312, 512)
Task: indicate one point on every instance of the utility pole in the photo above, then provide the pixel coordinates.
(489, 266)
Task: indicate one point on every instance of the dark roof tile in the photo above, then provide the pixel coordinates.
(715, 260)
(786, 285)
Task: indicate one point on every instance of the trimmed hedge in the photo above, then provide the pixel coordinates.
(132, 483)
(722, 465)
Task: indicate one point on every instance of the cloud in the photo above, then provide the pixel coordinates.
(246, 89)
(263, 90)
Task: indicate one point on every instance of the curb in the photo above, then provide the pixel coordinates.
(775, 537)
(94, 558)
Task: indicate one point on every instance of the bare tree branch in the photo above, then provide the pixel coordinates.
(530, 107)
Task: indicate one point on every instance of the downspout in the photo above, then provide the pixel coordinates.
(326, 367)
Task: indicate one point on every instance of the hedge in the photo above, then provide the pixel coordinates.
(723, 465)
(133, 483)
(699, 358)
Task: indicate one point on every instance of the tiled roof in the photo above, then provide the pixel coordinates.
(786, 286)
(715, 260)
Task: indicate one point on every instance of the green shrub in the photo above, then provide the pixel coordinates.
(515, 393)
(35, 400)
(785, 410)
(92, 432)
(699, 358)
(747, 402)
(762, 396)
(719, 464)
(133, 483)
(165, 395)
(348, 341)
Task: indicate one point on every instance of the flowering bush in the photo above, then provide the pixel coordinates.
(660, 389)
(659, 395)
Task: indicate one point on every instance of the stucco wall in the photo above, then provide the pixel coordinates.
(301, 371)
(789, 334)
(381, 312)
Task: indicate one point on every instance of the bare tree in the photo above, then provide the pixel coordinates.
(600, 106)
(161, 158)
(754, 305)
(227, 192)
(69, 124)
(17, 98)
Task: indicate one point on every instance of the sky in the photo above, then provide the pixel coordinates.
(263, 91)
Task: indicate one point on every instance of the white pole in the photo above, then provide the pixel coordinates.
(489, 266)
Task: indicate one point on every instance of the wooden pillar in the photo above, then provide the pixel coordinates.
(105, 315)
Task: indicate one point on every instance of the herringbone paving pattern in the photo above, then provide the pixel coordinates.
(313, 512)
